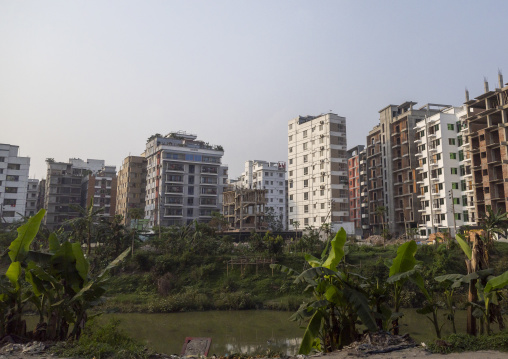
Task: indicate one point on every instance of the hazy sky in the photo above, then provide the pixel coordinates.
(94, 79)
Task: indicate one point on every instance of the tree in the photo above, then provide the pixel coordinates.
(82, 226)
(273, 220)
(135, 214)
(380, 212)
(153, 137)
(493, 223)
(218, 222)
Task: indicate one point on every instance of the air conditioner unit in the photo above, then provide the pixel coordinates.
(321, 122)
(322, 186)
(323, 173)
(322, 147)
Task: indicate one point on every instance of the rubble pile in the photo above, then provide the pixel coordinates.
(380, 342)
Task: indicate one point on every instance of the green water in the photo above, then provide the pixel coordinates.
(252, 332)
(231, 331)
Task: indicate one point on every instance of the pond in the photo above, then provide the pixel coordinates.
(249, 332)
(253, 331)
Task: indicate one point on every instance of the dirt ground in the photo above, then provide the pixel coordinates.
(418, 353)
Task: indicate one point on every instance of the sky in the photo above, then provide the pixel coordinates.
(94, 79)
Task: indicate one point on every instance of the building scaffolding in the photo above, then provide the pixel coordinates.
(244, 209)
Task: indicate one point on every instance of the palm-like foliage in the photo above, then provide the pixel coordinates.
(82, 226)
(380, 212)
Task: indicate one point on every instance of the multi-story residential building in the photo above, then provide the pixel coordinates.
(355, 216)
(444, 199)
(391, 162)
(40, 194)
(270, 176)
(32, 196)
(185, 179)
(486, 130)
(244, 209)
(13, 183)
(364, 193)
(317, 171)
(63, 188)
(131, 187)
(100, 188)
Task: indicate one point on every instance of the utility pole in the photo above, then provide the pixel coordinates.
(453, 211)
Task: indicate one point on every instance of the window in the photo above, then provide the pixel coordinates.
(305, 183)
(290, 161)
(453, 156)
(305, 158)
(305, 146)
(290, 126)
(306, 208)
(291, 197)
(306, 221)
(451, 127)
(320, 127)
(454, 170)
(455, 185)
(291, 209)
(290, 138)
(322, 192)
(291, 184)
(304, 133)
(306, 170)
(306, 196)
(451, 141)
(322, 206)
(290, 149)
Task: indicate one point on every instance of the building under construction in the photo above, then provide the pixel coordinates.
(244, 209)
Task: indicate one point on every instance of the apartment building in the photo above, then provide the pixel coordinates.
(269, 176)
(185, 179)
(63, 188)
(131, 187)
(32, 196)
(244, 209)
(391, 165)
(317, 171)
(13, 183)
(355, 187)
(486, 130)
(100, 188)
(364, 194)
(445, 201)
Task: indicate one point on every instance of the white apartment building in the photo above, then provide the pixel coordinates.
(32, 195)
(185, 179)
(317, 171)
(270, 176)
(446, 201)
(13, 183)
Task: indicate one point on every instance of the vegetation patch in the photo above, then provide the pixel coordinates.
(103, 341)
(469, 343)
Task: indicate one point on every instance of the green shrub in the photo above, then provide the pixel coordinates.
(235, 301)
(103, 342)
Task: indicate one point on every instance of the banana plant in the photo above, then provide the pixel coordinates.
(60, 284)
(488, 295)
(12, 299)
(402, 268)
(338, 300)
